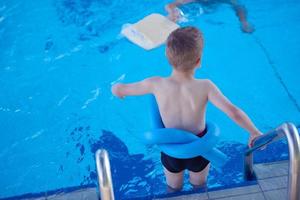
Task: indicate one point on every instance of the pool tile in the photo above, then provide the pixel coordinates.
(234, 191)
(200, 196)
(268, 170)
(86, 194)
(276, 194)
(273, 183)
(39, 198)
(253, 196)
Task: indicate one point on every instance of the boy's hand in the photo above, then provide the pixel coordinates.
(253, 136)
(116, 90)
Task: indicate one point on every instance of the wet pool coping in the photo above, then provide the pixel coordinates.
(271, 184)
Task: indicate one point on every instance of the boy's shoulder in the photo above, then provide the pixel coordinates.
(206, 84)
(153, 81)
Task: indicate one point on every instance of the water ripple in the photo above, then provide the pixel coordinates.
(96, 94)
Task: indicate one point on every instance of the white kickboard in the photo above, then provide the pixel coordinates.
(150, 32)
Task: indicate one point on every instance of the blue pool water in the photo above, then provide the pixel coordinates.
(59, 58)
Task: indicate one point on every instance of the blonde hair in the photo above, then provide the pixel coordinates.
(184, 48)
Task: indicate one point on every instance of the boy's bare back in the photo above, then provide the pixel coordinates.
(182, 103)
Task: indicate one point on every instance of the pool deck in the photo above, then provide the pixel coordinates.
(83, 194)
(272, 185)
(271, 178)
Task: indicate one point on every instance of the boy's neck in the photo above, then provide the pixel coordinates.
(183, 75)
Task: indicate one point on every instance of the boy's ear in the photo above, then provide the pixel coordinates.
(198, 61)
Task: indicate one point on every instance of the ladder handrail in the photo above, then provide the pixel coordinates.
(104, 175)
(290, 131)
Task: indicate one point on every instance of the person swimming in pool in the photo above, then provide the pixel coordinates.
(240, 11)
(182, 101)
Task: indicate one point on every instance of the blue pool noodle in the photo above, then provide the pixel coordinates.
(183, 144)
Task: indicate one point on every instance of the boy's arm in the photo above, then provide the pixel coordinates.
(236, 114)
(133, 89)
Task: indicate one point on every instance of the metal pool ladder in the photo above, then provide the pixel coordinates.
(290, 132)
(104, 175)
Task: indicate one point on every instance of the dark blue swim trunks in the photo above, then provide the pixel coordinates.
(176, 165)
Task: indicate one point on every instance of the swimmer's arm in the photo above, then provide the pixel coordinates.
(181, 2)
(216, 97)
(133, 89)
(171, 8)
(241, 13)
(239, 10)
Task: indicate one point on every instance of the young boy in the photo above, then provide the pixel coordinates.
(182, 102)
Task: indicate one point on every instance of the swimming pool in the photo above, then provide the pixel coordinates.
(59, 59)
